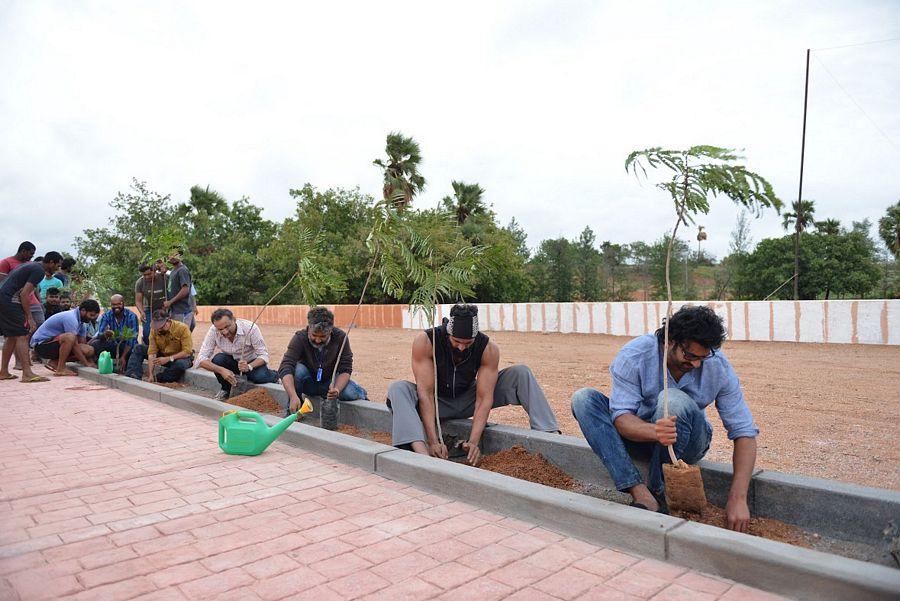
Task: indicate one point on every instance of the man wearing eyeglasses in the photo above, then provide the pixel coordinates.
(629, 423)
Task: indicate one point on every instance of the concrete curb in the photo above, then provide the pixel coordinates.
(853, 512)
(772, 566)
(778, 567)
(600, 522)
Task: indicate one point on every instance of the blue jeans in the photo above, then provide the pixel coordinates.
(171, 372)
(258, 375)
(591, 409)
(145, 331)
(305, 383)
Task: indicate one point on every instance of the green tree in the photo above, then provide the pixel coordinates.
(829, 227)
(889, 229)
(587, 266)
(402, 180)
(843, 264)
(465, 202)
(613, 259)
(553, 268)
(801, 218)
(143, 221)
(639, 255)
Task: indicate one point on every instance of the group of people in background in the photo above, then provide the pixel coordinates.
(52, 329)
(456, 362)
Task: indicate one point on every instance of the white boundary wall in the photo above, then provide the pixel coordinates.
(836, 321)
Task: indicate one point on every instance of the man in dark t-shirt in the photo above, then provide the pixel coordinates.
(179, 303)
(311, 358)
(149, 295)
(16, 322)
(469, 385)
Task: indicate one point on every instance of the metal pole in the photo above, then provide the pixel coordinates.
(800, 192)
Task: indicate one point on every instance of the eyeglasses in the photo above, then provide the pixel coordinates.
(692, 357)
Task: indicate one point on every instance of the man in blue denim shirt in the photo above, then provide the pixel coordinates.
(631, 421)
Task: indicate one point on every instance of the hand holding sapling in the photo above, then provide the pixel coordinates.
(666, 434)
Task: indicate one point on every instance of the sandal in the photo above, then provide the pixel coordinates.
(9, 377)
(34, 379)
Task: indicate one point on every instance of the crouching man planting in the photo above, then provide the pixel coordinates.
(242, 350)
(630, 424)
(170, 348)
(63, 335)
(468, 383)
(310, 360)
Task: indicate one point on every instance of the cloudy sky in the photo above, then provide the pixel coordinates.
(539, 102)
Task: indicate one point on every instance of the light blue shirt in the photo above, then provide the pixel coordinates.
(637, 381)
(62, 322)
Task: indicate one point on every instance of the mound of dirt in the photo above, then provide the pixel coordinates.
(382, 437)
(763, 527)
(519, 463)
(170, 384)
(258, 400)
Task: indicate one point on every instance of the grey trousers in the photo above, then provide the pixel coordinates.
(516, 385)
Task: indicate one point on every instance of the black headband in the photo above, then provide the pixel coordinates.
(463, 326)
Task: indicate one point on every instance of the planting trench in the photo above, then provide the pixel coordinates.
(532, 467)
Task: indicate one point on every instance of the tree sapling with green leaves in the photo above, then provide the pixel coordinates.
(696, 174)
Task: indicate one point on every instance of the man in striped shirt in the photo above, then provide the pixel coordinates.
(242, 350)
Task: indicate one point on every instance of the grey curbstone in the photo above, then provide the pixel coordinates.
(342, 447)
(195, 403)
(778, 567)
(366, 415)
(827, 507)
(139, 388)
(593, 520)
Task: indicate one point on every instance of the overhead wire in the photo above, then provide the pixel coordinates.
(856, 103)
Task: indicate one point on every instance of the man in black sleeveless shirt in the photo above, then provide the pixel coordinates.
(469, 385)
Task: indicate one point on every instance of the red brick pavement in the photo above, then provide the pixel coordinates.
(108, 496)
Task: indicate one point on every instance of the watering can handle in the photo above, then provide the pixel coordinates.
(251, 415)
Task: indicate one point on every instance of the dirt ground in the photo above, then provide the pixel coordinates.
(824, 410)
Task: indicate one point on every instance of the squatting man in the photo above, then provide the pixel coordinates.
(469, 385)
(629, 423)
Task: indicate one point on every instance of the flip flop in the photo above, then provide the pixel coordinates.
(9, 377)
(34, 379)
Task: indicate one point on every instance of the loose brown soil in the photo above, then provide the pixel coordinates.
(533, 467)
(376, 436)
(811, 401)
(762, 527)
(258, 400)
(175, 385)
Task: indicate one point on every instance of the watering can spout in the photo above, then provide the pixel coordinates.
(276, 430)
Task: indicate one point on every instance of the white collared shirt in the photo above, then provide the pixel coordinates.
(248, 343)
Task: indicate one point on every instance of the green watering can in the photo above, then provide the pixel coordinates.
(245, 432)
(105, 363)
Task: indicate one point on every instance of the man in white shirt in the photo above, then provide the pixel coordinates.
(242, 350)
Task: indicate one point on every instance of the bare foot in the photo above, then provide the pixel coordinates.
(65, 372)
(643, 496)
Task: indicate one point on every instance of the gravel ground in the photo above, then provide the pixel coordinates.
(824, 410)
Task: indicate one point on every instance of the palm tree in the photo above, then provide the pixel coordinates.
(402, 179)
(465, 202)
(829, 227)
(889, 229)
(801, 217)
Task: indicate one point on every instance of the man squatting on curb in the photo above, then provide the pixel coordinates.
(469, 385)
(629, 422)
